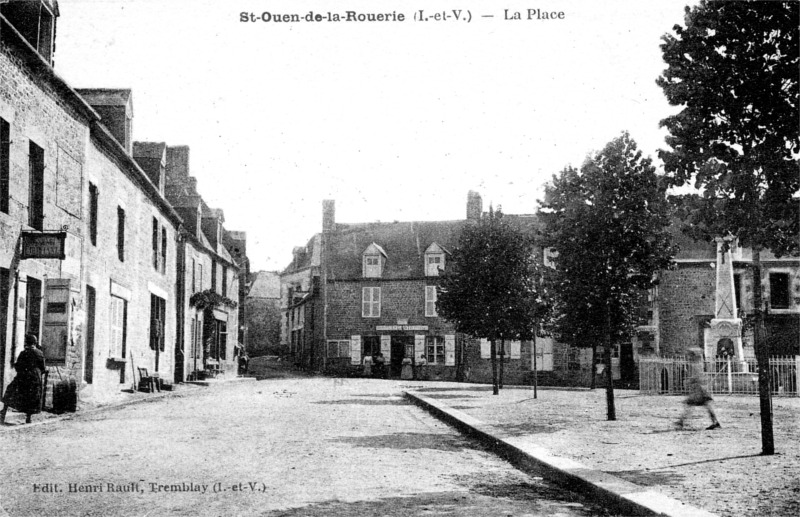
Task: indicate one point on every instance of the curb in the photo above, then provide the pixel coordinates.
(611, 491)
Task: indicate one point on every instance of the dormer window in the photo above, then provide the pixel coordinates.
(373, 259)
(36, 21)
(434, 260)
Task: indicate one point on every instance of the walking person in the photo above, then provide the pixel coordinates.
(24, 394)
(698, 396)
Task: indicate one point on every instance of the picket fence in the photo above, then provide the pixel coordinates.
(668, 375)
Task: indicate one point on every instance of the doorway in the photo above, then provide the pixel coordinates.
(402, 347)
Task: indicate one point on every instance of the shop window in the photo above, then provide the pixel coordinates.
(338, 348)
(434, 349)
(371, 346)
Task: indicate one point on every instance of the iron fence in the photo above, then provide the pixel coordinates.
(668, 375)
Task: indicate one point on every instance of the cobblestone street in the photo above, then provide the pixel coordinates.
(313, 446)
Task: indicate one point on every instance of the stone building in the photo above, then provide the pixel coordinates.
(208, 277)
(264, 314)
(703, 303)
(299, 294)
(44, 130)
(129, 257)
(357, 290)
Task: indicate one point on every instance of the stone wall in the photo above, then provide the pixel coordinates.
(685, 296)
(37, 114)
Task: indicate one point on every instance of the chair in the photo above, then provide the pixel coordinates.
(148, 383)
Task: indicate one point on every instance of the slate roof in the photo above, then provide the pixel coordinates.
(403, 242)
(149, 149)
(106, 96)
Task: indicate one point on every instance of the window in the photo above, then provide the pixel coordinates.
(371, 345)
(155, 243)
(434, 349)
(121, 233)
(434, 263)
(430, 301)
(338, 348)
(372, 266)
(36, 187)
(93, 206)
(200, 277)
(371, 302)
(194, 275)
(163, 250)
(779, 290)
(214, 275)
(5, 165)
(224, 281)
(157, 316)
(119, 317)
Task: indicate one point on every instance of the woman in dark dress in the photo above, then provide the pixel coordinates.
(24, 394)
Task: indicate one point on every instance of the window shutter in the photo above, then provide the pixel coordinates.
(486, 349)
(365, 302)
(386, 347)
(450, 350)
(430, 300)
(355, 349)
(515, 349)
(419, 346)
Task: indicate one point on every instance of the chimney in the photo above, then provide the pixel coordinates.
(115, 107)
(36, 21)
(474, 206)
(328, 215)
(177, 161)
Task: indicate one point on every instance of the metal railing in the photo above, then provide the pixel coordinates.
(668, 375)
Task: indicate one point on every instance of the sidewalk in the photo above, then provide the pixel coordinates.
(718, 471)
(16, 421)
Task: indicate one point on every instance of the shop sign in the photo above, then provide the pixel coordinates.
(37, 245)
(401, 327)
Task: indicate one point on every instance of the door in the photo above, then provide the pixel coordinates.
(88, 363)
(401, 345)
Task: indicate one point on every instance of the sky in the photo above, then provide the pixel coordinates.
(393, 120)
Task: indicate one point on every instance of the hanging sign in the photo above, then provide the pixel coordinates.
(37, 245)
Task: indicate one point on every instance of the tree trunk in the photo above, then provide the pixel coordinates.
(535, 367)
(612, 414)
(762, 350)
(495, 386)
(502, 360)
(594, 365)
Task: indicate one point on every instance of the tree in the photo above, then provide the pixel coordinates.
(607, 224)
(493, 289)
(733, 69)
